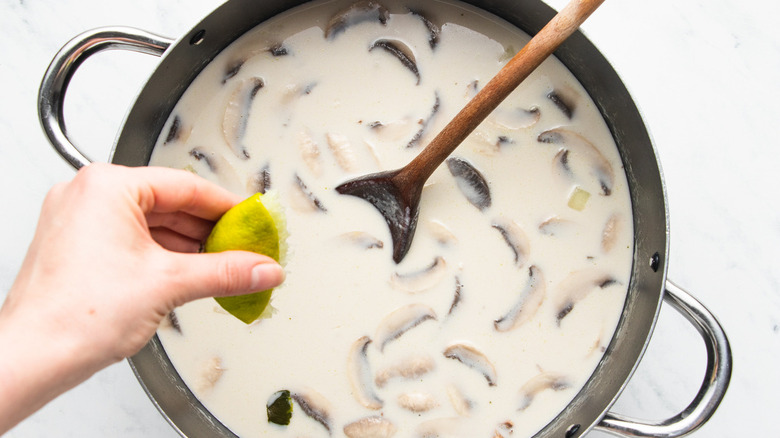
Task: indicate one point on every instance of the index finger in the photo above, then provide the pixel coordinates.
(165, 190)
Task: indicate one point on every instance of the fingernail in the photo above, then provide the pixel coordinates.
(266, 276)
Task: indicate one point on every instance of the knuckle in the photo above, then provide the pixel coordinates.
(230, 277)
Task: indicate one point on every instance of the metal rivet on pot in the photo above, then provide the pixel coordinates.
(198, 37)
(655, 262)
(573, 429)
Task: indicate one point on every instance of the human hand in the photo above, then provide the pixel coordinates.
(112, 256)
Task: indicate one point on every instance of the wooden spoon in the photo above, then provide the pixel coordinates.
(396, 193)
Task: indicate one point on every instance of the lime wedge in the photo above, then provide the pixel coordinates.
(256, 224)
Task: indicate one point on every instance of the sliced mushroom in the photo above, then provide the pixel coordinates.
(342, 151)
(468, 355)
(564, 104)
(425, 123)
(434, 30)
(412, 367)
(360, 375)
(236, 117)
(422, 280)
(174, 131)
(462, 405)
(363, 239)
(310, 152)
(515, 118)
(579, 147)
(210, 373)
(504, 429)
(400, 321)
(232, 70)
(515, 237)
(417, 401)
(260, 181)
(364, 10)
(578, 285)
(315, 406)
(292, 92)
(554, 225)
(471, 183)
(392, 131)
(441, 427)
(458, 295)
(211, 160)
(541, 382)
(278, 49)
(531, 298)
(370, 427)
(441, 232)
(561, 161)
(304, 199)
(218, 165)
(611, 231)
(400, 51)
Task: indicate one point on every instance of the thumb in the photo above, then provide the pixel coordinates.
(226, 273)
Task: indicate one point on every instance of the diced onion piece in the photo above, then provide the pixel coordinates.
(578, 198)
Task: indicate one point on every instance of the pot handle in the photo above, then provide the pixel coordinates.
(51, 94)
(713, 389)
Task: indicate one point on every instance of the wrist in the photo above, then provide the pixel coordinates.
(38, 363)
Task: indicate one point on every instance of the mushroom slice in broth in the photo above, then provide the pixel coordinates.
(212, 371)
(417, 401)
(434, 30)
(417, 138)
(462, 405)
(370, 427)
(399, 50)
(400, 321)
(612, 229)
(363, 240)
(468, 355)
(303, 199)
(342, 152)
(576, 286)
(358, 12)
(457, 295)
(542, 382)
(579, 148)
(218, 165)
(310, 152)
(359, 374)
(562, 103)
(515, 237)
(422, 280)
(515, 118)
(412, 367)
(531, 299)
(237, 112)
(315, 406)
(471, 183)
(441, 232)
(441, 427)
(260, 181)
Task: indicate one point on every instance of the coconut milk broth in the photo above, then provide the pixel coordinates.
(510, 305)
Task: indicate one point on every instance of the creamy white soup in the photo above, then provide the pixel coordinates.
(517, 274)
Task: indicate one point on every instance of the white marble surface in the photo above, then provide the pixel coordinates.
(705, 74)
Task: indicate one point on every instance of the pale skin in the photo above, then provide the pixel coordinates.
(114, 252)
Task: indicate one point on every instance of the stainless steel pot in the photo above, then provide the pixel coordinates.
(183, 59)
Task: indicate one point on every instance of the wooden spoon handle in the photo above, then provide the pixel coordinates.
(541, 46)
